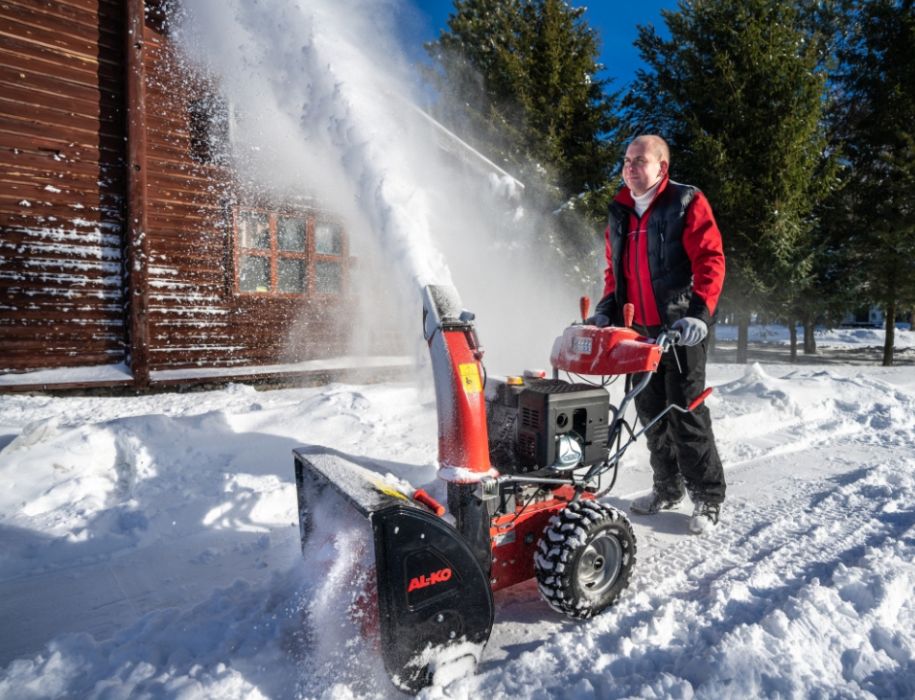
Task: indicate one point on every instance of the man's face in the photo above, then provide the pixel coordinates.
(641, 168)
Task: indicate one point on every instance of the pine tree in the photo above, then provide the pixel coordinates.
(738, 91)
(477, 61)
(877, 75)
(519, 78)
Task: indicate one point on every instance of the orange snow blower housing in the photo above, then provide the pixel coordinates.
(523, 461)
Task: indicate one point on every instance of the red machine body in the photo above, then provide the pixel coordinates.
(515, 537)
(590, 350)
(583, 350)
(464, 458)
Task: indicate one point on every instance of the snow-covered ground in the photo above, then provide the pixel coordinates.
(149, 545)
(149, 549)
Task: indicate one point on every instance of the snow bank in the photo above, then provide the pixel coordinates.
(160, 549)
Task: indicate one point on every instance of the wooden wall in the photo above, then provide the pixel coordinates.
(197, 317)
(61, 183)
(64, 193)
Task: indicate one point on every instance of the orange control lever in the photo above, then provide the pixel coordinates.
(584, 305)
(421, 496)
(628, 315)
(699, 399)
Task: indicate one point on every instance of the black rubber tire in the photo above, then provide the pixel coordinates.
(585, 558)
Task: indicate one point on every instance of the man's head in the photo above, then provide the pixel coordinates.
(646, 163)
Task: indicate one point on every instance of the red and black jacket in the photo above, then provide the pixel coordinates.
(685, 259)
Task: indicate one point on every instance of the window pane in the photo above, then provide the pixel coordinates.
(329, 277)
(291, 274)
(328, 239)
(208, 127)
(254, 274)
(253, 230)
(290, 234)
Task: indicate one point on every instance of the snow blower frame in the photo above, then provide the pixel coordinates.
(535, 515)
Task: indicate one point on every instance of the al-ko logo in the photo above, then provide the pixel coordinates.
(432, 579)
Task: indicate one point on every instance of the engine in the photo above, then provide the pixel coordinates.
(544, 427)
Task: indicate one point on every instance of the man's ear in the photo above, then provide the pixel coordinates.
(664, 167)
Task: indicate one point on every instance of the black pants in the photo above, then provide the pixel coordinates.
(682, 445)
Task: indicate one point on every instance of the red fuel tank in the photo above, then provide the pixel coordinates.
(602, 351)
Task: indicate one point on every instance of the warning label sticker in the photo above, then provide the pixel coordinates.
(470, 378)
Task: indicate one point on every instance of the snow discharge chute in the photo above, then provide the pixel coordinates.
(523, 460)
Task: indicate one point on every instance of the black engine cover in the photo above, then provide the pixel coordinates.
(526, 421)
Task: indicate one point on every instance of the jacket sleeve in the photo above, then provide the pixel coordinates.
(702, 243)
(609, 281)
(607, 304)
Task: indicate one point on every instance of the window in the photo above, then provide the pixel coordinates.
(288, 254)
(156, 15)
(209, 129)
(328, 239)
(328, 267)
(328, 277)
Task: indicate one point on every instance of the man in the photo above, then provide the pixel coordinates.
(664, 256)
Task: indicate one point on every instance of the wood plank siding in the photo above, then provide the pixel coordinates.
(119, 237)
(197, 316)
(61, 183)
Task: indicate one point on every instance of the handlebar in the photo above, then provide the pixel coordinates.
(668, 338)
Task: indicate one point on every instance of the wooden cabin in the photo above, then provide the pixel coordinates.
(130, 254)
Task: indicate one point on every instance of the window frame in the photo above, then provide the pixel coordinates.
(273, 253)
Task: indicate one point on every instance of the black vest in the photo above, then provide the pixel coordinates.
(668, 264)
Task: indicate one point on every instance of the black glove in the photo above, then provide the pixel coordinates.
(604, 312)
(599, 320)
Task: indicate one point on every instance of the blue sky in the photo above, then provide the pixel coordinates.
(615, 23)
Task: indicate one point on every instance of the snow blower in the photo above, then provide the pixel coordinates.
(523, 460)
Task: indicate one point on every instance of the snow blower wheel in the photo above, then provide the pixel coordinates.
(585, 558)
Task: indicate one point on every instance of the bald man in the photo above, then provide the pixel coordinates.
(664, 255)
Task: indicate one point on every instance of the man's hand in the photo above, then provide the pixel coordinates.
(692, 330)
(599, 320)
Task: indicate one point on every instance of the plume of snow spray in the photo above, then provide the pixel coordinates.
(310, 109)
(321, 98)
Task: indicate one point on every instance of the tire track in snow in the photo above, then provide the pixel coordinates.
(689, 595)
(687, 600)
(766, 547)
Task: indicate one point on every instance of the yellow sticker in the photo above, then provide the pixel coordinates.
(470, 378)
(389, 490)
